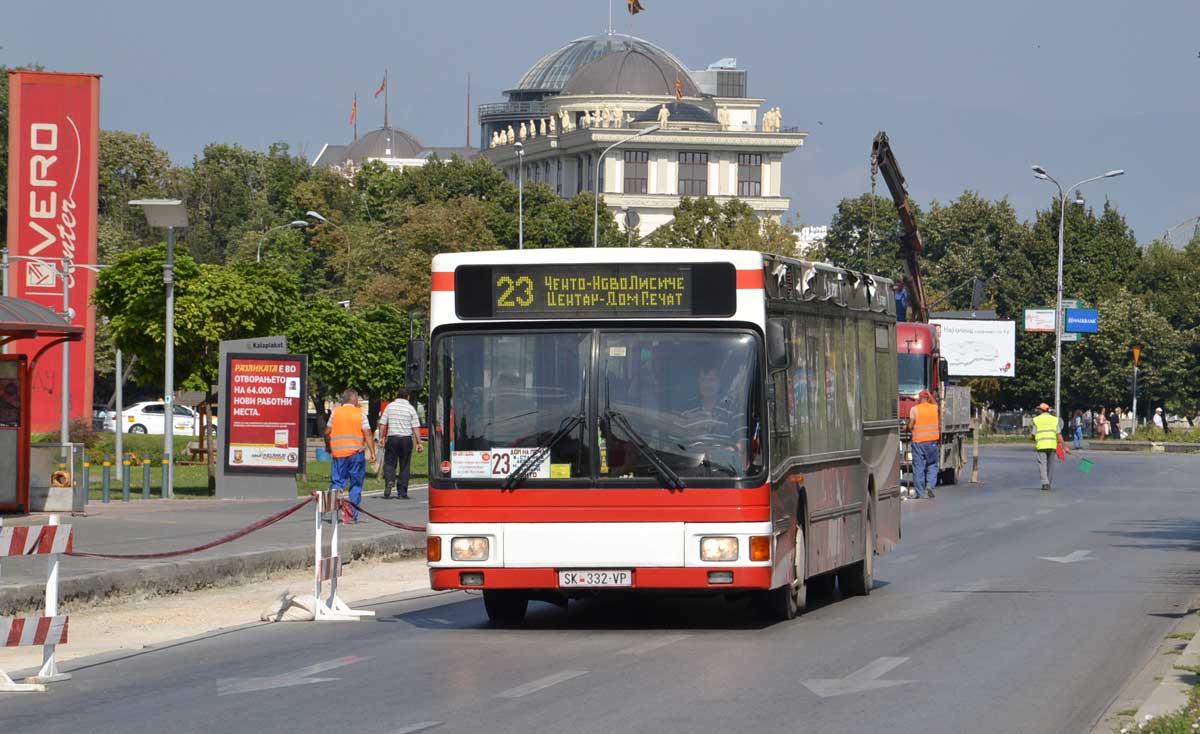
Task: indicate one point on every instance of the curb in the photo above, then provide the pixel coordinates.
(189, 575)
(1172, 693)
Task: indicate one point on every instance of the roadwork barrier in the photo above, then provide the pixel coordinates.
(49, 630)
(328, 568)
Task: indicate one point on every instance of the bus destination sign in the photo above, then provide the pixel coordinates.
(596, 291)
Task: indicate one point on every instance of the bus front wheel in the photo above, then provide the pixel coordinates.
(505, 606)
(787, 601)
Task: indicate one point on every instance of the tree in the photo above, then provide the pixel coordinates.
(705, 223)
(130, 167)
(864, 235)
(967, 239)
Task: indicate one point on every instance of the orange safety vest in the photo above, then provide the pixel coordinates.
(925, 427)
(345, 434)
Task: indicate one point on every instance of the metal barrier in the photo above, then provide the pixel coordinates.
(330, 567)
(49, 630)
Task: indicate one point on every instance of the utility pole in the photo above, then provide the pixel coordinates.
(1137, 355)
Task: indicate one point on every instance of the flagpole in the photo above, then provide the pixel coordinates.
(385, 98)
(610, 27)
(356, 115)
(468, 128)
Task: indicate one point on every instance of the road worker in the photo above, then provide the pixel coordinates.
(924, 424)
(1045, 434)
(347, 436)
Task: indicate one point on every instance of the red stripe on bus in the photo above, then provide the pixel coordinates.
(600, 505)
(756, 577)
(749, 279)
(443, 281)
(599, 514)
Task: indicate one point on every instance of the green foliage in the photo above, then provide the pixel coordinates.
(864, 235)
(706, 223)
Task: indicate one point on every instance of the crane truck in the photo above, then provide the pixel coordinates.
(919, 361)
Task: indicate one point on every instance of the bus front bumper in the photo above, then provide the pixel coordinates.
(643, 579)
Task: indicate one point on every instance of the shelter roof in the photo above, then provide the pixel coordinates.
(24, 319)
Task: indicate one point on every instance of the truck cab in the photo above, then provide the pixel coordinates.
(920, 366)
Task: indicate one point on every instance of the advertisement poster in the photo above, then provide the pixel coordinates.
(53, 139)
(265, 402)
(1039, 319)
(978, 348)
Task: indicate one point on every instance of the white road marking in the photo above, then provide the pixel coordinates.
(1022, 518)
(439, 620)
(652, 645)
(904, 559)
(537, 685)
(1046, 511)
(998, 525)
(865, 678)
(1073, 557)
(422, 726)
(301, 677)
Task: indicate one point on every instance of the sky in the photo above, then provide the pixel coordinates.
(970, 93)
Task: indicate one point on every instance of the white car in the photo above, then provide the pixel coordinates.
(147, 417)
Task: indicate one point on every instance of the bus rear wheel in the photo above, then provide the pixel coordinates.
(505, 606)
(858, 578)
(787, 601)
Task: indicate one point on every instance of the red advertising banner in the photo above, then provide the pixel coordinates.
(53, 141)
(265, 408)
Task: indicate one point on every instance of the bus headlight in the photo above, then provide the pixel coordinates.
(469, 549)
(720, 548)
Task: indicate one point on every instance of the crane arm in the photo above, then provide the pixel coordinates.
(883, 160)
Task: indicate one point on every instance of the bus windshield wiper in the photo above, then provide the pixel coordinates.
(529, 466)
(668, 475)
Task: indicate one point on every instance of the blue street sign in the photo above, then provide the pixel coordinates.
(1082, 321)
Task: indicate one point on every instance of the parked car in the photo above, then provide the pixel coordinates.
(147, 417)
(103, 418)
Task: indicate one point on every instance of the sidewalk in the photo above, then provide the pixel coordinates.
(156, 525)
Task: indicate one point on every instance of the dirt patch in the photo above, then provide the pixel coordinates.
(137, 622)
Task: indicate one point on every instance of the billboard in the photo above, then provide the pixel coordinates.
(264, 423)
(53, 139)
(1039, 319)
(1082, 321)
(975, 348)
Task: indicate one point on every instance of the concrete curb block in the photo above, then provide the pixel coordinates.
(175, 577)
(1172, 693)
(1158, 447)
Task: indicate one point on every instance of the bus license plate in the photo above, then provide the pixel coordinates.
(589, 579)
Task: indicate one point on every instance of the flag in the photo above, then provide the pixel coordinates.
(382, 87)
(678, 88)
(635, 7)
(354, 110)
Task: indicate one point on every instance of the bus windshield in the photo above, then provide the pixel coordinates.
(669, 403)
(913, 373)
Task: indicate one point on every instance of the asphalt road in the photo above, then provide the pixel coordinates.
(970, 628)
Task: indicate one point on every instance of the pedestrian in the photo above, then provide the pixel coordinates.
(1046, 441)
(1114, 423)
(398, 431)
(924, 427)
(1078, 425)
(1160, 421)
(347, 436)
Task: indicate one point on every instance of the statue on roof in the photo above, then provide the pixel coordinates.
(663, 115)
(597, 120)
(619, 115)
(586, 120)
(495, 138)
(524, 133)
(723, 117)
(542, 126)
(552, 126)
(510, 136)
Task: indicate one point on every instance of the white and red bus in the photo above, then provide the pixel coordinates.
(659, 420)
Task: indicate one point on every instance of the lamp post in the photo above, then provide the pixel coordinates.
(1039, 172)
(596, 203)
(297, 224)
(520, 194)
(168, 213)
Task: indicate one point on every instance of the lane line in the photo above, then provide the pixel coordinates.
(541, 683)
(421, 726)
(998, 525)
(652, 645)
(1022, 518)
(1046, 511)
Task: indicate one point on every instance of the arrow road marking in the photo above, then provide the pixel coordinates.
(540, 683)
(644, 647)
(1073, 557)
(302, 677)
(865, 678)
(421, 726)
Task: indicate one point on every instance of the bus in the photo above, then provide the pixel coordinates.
(659, 420)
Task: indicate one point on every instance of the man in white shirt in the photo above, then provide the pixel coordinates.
(398, 430)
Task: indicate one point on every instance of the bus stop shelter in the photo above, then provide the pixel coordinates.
(22, 319)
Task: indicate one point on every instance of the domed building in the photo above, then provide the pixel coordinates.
(698, 133)
(394, 147)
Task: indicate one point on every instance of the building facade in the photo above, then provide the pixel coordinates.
(698, 133)
(393, 147)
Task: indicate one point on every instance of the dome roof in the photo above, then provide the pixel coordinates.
(631, 70)
(553, 70)
(386, 142)
(680, 112)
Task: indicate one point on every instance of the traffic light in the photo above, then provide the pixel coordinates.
(1129, 385)
(414, 367)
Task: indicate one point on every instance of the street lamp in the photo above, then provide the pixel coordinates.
(168, 213)
(520, 194)
(297, 224)
(317, 216)
(1039, 172)
(596, 204)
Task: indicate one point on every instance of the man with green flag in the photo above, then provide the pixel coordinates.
(1045, 434)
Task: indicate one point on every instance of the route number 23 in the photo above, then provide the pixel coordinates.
(515, 293)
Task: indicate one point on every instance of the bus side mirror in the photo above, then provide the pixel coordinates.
(943, 369)
(414, 370)
(777, 344)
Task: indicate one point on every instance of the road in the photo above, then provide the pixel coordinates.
(1005, 609)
